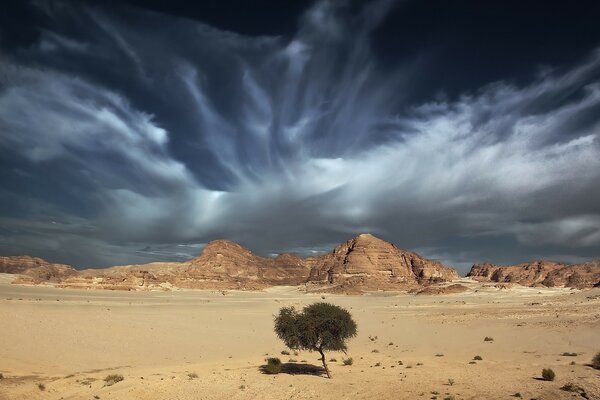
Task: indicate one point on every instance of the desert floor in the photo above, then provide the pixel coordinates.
(70, 340)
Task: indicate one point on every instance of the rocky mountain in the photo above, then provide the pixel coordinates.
(540, 273)
(362, 263)
(367, 262)
(35, 270)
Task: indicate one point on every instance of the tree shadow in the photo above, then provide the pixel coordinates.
(297, 369)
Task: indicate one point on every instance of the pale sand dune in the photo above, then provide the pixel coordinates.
(69, 340)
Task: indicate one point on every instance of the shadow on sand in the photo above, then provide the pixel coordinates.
(297, 369)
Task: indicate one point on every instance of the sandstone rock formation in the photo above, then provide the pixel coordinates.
(362, 263)
(540, 273)
(371, 263)
(35, 270)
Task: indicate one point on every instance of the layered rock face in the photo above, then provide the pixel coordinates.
(540, 273)
(371, 263)
(35, 270)
(362, 263)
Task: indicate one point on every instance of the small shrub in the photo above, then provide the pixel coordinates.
(570, 387)
(348, 361)
(378, 364)
(450, 381)
(112, 379)
(517, 395)
(374, 351)
(548, 374)
(572, 363)
(285, 353)
(41, 386)
(449, 398)
(242, 387)
(567, 354)
(192, 375)
(333, 360)
(390, 343)
(273, 366)
(439, 355)
(488, 339)
(472, 362)
(596, 361)
(419, 364)
(292, 360)
(477, 358)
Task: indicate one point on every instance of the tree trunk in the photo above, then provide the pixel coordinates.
(324, 363)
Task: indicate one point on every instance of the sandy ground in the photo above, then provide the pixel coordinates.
(408, 347)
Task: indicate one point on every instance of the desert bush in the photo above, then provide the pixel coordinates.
(450, 381)
(112, 379)
(449, 398)
(41, 386)
(439, 355)
(285, 353)
(548, 374)
(273, 365)
(333, 360)
(570, 387)
(374, 351)
(378, 364)
(292, 360)
(596, 361)
(319, 327)
(478, 358)
(518, 394)
(348, 361)
(192, 375)
(488, 339)
(567, 354)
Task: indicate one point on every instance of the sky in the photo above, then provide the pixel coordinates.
(138, 131)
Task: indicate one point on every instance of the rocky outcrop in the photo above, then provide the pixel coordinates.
(35, 270)
(362, 263)
(370, 263)
(540, 273)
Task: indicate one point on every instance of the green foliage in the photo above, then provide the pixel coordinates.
(318, 327)
(273, 366)
(596, 361)
(321, 326)
(548, 374)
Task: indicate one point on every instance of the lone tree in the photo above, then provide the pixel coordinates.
(319, 327)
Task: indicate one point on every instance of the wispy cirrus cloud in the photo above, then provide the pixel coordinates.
(192, 133)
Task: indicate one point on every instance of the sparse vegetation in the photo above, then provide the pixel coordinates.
(285, 353)
(596, 361)
(348, 361)
(319, 327)
(567, 354)
(192, 375)
(293, 360)
(112, 379)
(488, 339)
(41, 386)
(548, 374)
(517, 395)
(439, 355)
(570, 387)
(450, 381)
(374, 351)
(378, 364)
(449, 398)
(333, 360)
(273, 366)
(477, 358)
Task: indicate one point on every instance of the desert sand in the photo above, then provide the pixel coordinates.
(66, 341)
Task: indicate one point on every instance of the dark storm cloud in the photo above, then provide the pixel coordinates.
(130, 136)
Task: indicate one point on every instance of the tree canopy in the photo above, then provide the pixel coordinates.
(318, 327)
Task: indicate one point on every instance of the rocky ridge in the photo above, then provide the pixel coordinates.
(540, 274)
(362, 263)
